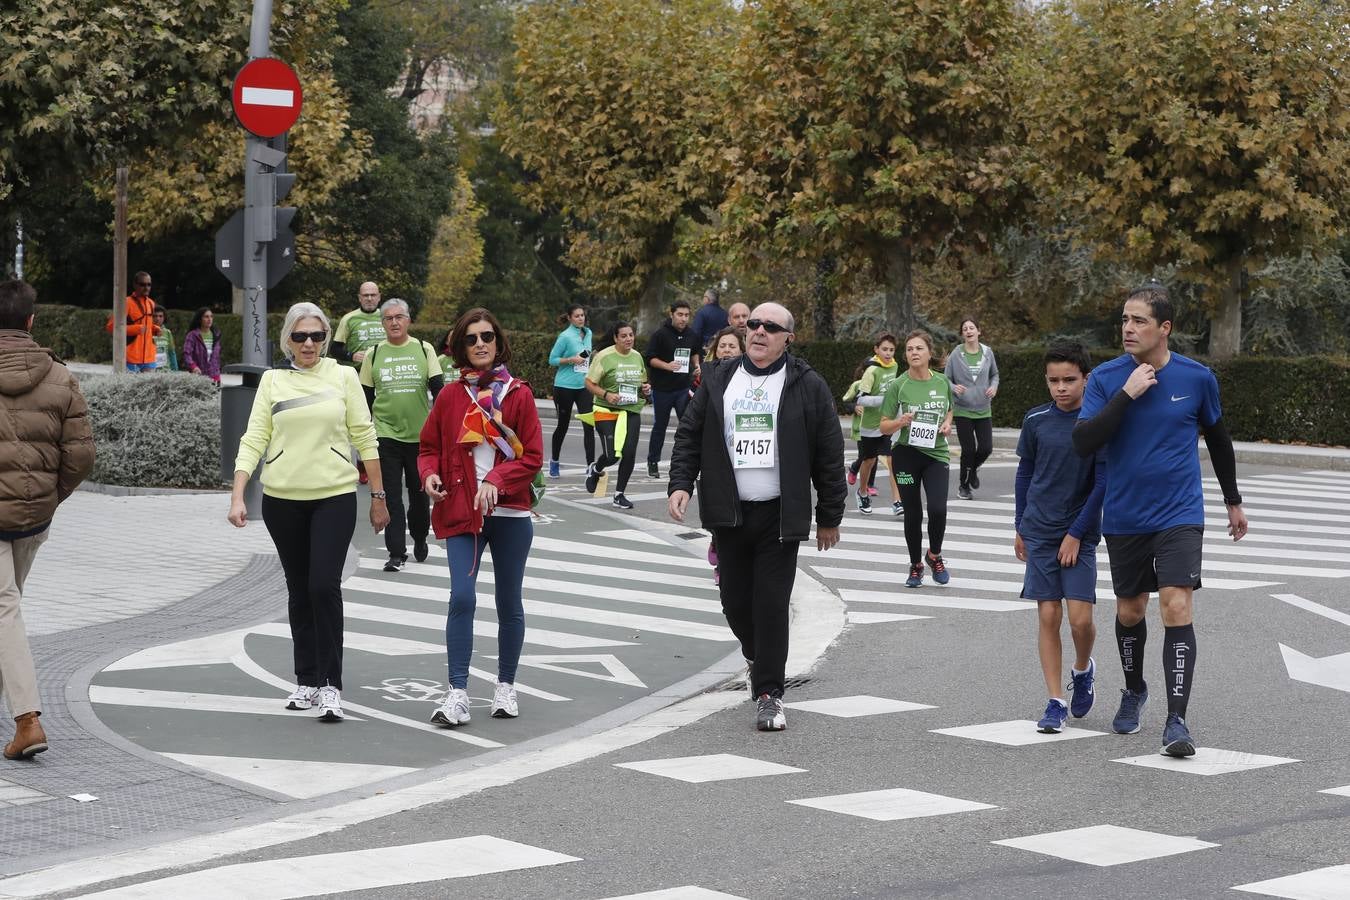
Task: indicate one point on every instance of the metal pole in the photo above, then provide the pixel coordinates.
(119, 335)
(255, 252)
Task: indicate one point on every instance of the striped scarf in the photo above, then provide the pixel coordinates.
(483, 421)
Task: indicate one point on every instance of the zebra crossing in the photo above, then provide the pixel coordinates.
(611, 615)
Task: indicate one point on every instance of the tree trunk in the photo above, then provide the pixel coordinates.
(822, 309)
(119, 335)
(1225, 329)
(651, 310)
(897, 304)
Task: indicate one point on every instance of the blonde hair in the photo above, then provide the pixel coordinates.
(293, 316)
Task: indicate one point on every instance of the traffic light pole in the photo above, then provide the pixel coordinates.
(259, 219)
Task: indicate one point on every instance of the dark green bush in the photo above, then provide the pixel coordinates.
(159, 429)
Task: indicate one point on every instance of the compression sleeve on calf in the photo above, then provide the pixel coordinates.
(1090, 435)
(1021, 486)
(1091, 513)
(1224, 460)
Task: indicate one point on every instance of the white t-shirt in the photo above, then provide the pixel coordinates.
(484, 458)
(751, 398)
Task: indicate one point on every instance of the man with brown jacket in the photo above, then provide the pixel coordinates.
(46, 450)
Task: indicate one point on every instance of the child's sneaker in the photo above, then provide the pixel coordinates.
(864, 504)
(915, 576)
(897, 509)
(1056, 713)
(1083, 693)
(940, 573)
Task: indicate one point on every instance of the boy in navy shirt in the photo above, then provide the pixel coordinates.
(1146, 408)
(1058, 521)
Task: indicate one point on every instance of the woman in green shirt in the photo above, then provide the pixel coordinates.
(917, 409)
(973, 372)
(617, 379)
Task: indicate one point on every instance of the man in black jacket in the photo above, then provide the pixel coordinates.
(673, 354)
(760, 431)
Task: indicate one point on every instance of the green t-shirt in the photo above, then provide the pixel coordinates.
(448, 368)
(166, 357)
(618, 372)
(399, 376)
(975, 362)
(360, 330)
(930, 399)
(874, 383)
(849, 396)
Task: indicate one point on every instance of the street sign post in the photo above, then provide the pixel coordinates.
(267, 97)
(230, 252)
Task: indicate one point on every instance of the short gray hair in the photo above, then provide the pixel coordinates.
(393, 302)
(293, 316)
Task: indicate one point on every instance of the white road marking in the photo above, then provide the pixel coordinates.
(1207, 761)
(861, 617)
(197, 702)
(1329, 883)
(892, 805)
(1017, 733)
(713, 767)
(860, 705)
(1326, 612)
(347, 871)
(436, 622)
(1106, 845)
(617, 555)
(618, 673)
(299, 778)
(685, 892)
(908, 597)
(629, 534)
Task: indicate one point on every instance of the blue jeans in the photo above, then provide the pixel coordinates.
(510, 540)
(141, 367)
(662, 403)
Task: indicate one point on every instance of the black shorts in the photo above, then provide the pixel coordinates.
(1141, 563)
(872, 447)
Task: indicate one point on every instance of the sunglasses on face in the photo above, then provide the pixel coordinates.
(769, 327)
(485, 337)
(317, 337)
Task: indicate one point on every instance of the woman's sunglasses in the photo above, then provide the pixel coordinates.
(317, 337)
(769, 327)
(486, 337)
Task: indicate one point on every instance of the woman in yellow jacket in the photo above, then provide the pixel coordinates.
(304, 418)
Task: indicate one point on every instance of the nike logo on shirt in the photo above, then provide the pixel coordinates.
(1176, 399)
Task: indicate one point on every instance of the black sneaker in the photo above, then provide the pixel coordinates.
(864, 504)
(974, 480)
(420, 550)
(769, 715)
(395, 563)
(592, 478)
(653, 470)
(622, 502)
(963, 493)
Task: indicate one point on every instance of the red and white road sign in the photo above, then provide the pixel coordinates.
(267, 97)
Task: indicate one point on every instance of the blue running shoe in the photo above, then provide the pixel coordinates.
(1177, 737)
(915, 576)
(940, 573)
(1083, 694)
(1055, 715)
(554, 470)
(1131, 705)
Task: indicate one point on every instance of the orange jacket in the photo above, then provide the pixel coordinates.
(141, 330)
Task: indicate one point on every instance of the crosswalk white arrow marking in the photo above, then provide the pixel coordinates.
(618, 672)
(1329, 671)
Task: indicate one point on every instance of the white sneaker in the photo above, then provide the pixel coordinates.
(302, 697)
(330, 704)
(504, 701)
(454, 709)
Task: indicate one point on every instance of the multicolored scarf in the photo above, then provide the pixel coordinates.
(483, 421)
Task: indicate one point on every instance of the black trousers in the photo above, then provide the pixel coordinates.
(919, 475)
(398, 469)
(977, 442)
(312, 537)
(608, 452)
(662, 403)
(757, 573)
(563, 401)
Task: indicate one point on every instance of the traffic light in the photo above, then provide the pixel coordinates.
(262, 230)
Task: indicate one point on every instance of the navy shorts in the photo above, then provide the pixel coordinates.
(1046, 579)
(1141, 563)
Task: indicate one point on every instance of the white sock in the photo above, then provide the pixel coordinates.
(1059, 700)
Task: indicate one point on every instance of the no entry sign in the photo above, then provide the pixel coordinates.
(267, 97)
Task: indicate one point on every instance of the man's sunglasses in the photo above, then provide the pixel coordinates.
(769, 327)
(317, 337)
(486, 337)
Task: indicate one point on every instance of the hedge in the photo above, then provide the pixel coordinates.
(1278, 399)
(162, 429)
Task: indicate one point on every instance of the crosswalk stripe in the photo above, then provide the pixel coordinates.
(895, 578)
(192, 700)
(436, 622)
(1254, 510)
(1103, 573)
(1333, 491)
(1277, 496)
(576, 589)
(645, 495)
(616, 554)
(931, 598)
(684, 628)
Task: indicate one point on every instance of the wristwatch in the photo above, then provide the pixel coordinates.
(378, 495)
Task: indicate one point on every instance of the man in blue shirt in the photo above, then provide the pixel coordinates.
(1146, 408)
(710, 319)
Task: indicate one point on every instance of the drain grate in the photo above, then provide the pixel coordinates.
(740, 684)
(692, 535)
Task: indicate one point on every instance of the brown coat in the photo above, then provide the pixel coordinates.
(46, 447)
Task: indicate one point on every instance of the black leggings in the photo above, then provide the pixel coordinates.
(977, 442)
(563, 401)
(312, 537)
(918, 475)
(607, 451)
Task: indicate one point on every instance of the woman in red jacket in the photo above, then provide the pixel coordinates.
(481, 447)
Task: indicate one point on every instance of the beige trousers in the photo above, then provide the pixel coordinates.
(18, 678)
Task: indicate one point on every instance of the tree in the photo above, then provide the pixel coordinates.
(873, 132)
(610, 111)
(456, 255)
(1207, 134)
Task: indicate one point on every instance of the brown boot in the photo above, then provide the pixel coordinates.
(29, 739)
